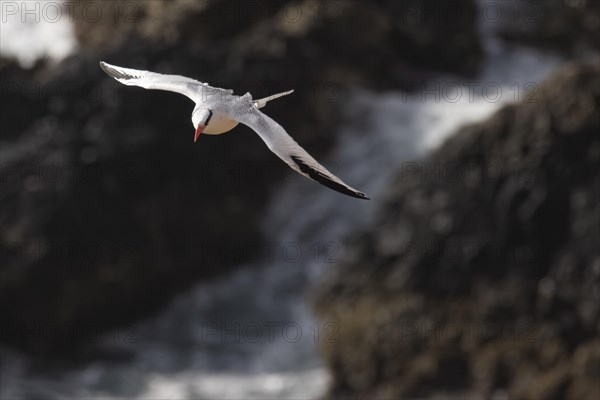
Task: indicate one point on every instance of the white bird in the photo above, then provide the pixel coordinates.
(218, 111)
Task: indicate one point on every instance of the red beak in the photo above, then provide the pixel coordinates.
(199, 130)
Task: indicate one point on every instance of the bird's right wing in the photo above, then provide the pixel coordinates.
(280, 143)
(195, 90)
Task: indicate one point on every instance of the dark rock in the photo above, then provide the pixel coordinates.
(108, 209)
(486, 284)
(375, 43)
(570, 27)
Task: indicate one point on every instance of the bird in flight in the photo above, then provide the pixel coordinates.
(218, 111)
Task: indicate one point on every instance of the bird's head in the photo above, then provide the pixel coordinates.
(200, 118)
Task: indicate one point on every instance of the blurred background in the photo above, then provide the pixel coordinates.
(137, 264)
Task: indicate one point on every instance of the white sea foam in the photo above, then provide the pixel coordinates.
(30, 30)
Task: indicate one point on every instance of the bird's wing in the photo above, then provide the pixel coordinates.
(195, 90)
(280, 143)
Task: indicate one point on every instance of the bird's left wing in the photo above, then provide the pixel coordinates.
(195, 90)
(280, 143)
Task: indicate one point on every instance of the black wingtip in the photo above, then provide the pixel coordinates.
(360, 195)
(104, 67)
(113, 72)
(107, 68)
(325, 181)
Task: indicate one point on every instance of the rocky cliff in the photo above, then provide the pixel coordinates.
(109, 208)
(480, 276)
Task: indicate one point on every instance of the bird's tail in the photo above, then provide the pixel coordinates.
(263, 102)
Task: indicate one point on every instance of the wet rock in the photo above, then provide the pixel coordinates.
(568, 26)
(375, 43)
(109, 209)
(501, 302)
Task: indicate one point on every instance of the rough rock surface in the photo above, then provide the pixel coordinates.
(567, 26)
(481, 279)
(109, 209)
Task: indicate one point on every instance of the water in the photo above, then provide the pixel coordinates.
(251, 334)
(33, 30)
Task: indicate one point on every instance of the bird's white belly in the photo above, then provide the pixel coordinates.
(219, 124)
